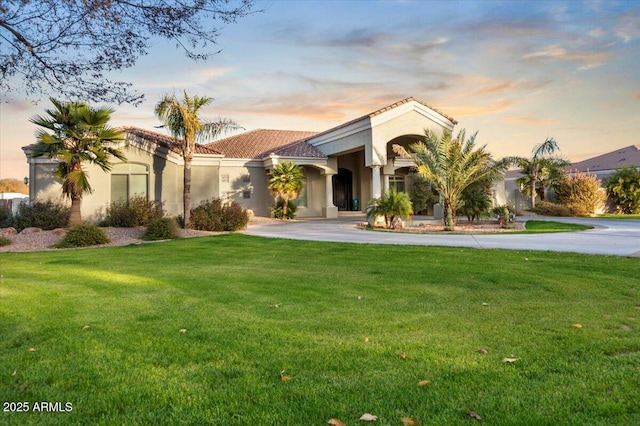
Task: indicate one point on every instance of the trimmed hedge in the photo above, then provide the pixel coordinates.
(218, 215)
(163, 228)
(83, 236)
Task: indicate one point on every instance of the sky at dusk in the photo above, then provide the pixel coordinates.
(517, 72)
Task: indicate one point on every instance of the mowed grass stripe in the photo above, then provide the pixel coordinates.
(253, 307)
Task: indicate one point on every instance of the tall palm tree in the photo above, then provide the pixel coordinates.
(75, 134)
(286, 180)
(540, 170)
(451, 165)
(180, 117)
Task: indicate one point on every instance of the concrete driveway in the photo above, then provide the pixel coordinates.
(612, 237)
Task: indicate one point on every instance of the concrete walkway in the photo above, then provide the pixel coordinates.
(611, 237)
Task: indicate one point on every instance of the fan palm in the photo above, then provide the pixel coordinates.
(286, 180)
(540, 170)
(451, 165)
(75, 134)
(180, 117)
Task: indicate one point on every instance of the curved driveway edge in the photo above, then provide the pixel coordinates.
(611, 237)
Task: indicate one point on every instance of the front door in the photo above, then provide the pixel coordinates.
(342, 189)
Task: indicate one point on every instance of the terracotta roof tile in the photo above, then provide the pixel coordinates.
(260, 143)
(623, 157)
(164, 141)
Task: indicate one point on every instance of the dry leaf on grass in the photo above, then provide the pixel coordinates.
(366, 340)
(423, 383)
(283, 376)
(366, 417)
(485, 304)
(86, 327)
(14, 372)
(24, 386)
(407, 421)
(32, 349)
(576, 325)
(183, 330)
(474, 415)
(483, 351)
(336, 422)
(276, 305)
(509, 360)
(403, 355)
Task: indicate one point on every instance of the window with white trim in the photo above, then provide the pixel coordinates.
(129, 180)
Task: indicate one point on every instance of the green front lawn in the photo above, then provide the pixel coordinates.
(543, 226)
(336, 317)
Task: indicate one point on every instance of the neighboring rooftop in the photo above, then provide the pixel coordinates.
(623, 157)
(258, 144)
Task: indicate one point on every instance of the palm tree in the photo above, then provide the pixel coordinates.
(181, 119)
(540, 171)
(286, 180)
(390, 204)
(451, 165)
(75, 134)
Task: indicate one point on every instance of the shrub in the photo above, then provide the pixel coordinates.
(498, 210)
(138, 211)
(276, 211)
(391, 204)
(4, 241)
(161, 228)
(217, 215)
(44, 215)
(623, 189)
(581, 193)
(6, 219)
(82, 236)
(421, 194)
(546, 208)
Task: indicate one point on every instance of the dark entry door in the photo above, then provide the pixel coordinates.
(342, 189)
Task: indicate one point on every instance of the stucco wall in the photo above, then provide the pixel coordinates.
(250, 178)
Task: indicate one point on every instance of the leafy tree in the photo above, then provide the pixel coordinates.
(13, 185)
(476, 199)
(68, 47)
(540, 170)
(581, 193)
(451, 165)
(623, 189)
(181, 118)
(421, 194)
(286, 181)
(75, 134)
(390, 204)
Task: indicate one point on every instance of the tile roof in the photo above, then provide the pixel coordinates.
(623, 157)
(260, 143)
(165, 141)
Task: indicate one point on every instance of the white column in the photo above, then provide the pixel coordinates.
(329, 210)
(385, 183)
(328, 190)
(375, 182)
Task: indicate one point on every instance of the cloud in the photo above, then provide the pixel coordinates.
(587, 60)
(531, 120)
(628, 26)
(596, 32)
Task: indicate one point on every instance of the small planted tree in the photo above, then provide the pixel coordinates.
(623, 189)
(540, 170)
(390, 205)
(286, 181)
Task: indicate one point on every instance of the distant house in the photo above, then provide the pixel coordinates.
(601, 166)
(344, 166)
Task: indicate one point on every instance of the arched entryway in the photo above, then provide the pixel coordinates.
(343, 189)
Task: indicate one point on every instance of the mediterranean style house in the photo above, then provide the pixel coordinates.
(344, 166)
